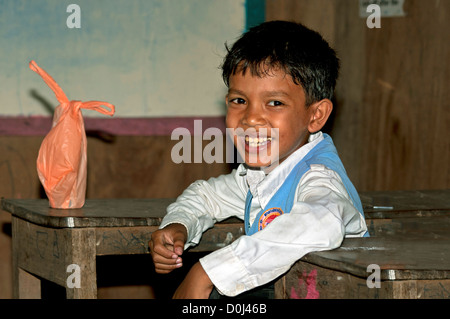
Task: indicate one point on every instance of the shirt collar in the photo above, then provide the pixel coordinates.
(265, 186)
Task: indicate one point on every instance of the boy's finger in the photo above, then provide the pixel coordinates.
(162, 266)
(158, 259)
(178, 247)
(163, 251)
(159, 245)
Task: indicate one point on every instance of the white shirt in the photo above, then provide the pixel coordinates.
(322, 215)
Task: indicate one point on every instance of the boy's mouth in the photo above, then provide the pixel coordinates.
(257, 146)
(257, 141)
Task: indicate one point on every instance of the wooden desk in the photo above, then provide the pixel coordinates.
(46, 241)
(402, 214)
(410, 243)
(408, 268)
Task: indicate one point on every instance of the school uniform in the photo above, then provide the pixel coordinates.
(305, 204)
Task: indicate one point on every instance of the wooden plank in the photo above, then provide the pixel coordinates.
(47, 253)
(405, 204)
(141, 167)
(40, 251)
(399, 258)
(390, 104)
(134, 240)
(417, 227)
(309, 281)
(95, 213)
(123, 240)
(421, 213)
(405, 89)
(28, 286)
(150, 211)
(81, 253)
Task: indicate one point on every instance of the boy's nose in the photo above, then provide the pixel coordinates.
(253, 116)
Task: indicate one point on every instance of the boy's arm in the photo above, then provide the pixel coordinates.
(322, 215)
(196, 285)
(205, 202)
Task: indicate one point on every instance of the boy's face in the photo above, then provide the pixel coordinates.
(257, 106)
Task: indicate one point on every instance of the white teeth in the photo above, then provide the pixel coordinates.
(257, 141)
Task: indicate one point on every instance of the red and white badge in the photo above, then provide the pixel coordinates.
(268, 216)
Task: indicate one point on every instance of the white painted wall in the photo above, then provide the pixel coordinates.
(147, 57)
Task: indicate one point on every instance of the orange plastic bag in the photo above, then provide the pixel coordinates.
(62, 159)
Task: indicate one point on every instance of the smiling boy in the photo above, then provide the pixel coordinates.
(296, 198)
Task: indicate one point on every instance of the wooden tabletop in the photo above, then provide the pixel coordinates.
(405, 204)
(398, 258)
(95, 212)
(149, 212)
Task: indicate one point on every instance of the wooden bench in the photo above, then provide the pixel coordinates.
(407, 268)
(409, 248)
(408, 213)
(47, 241)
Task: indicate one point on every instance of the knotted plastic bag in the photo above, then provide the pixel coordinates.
(62, 159)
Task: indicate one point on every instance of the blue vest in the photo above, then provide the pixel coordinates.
(324, 153)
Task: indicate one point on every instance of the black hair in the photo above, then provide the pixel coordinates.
(299, 51)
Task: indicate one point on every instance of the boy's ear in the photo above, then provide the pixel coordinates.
(320, 112)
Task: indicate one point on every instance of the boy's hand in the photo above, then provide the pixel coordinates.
(196, 285)
(166, 247)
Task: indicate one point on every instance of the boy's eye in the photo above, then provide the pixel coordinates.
(238, 101)
(275, 103)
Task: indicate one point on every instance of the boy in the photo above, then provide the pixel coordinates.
(281, 77)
